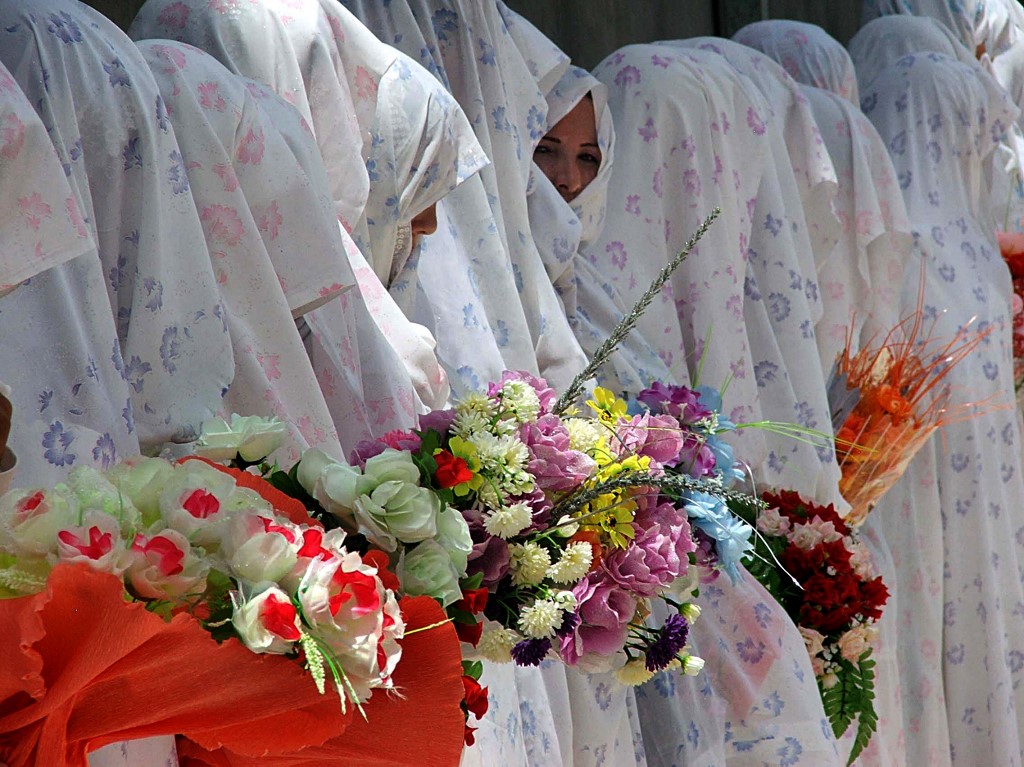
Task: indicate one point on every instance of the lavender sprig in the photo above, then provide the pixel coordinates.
(628, 322)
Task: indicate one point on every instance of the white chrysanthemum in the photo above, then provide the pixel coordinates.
(469, 424)
(496, 644)
(690, 611)
(529, 563)
(475, 402)
(584, 434)
(520, 400)
(565, 599)
(508, 520)
(539, 620)
(634, 673)
(574, 563)
(693, 665)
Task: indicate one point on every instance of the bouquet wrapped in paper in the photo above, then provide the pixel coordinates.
(1011, 245)
(887, 400)
(159, 598)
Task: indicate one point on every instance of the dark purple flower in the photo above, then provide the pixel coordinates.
(569, 623)
(678, 401)
(555, 465)
(438, 420)
(530, 652)
(489, 555)
(671, 639)
(545, 393)
(695, 457)
(706, 555)
(365, 450)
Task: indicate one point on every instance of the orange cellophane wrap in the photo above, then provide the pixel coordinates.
(422, 728)
(82, 668)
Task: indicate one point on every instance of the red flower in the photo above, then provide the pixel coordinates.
(470, 632)
(796, 509)
(380, 560)
(278, 617)
(451, 470)
(469, 738)
(476, 697)
(473, 601)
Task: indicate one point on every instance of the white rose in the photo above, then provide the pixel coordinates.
(95, 492)
(258, 548)
(96, 542)
(854, 643)
(142, 480)
(251, 437)
(397, 511)
(266, 621)
(30, 519)
(453, 534)
(771, 522)
(198, 500)
(427, 570)
(311, 466)
(805, 536)
(163, 566)
(392, 466)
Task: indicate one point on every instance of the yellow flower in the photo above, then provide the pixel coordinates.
(608, 407)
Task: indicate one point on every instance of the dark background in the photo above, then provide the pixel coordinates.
(588, 30)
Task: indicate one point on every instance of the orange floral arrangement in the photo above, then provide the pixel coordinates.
(888, 399)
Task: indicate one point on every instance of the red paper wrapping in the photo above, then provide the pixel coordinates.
(82, 668)
(423, 728)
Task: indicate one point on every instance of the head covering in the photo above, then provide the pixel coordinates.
(994, 24)
(807, 52)
(59, 350)
(467, 45)
(781, 301)
(592, 303)
(290, 47)
(254, 201)
(376, 369)
(109, 126)
(941, 121)
(815, 176)
(887, 39)
(422, 147)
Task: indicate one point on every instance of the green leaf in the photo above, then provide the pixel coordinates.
(473, 668)
(851, 698)
(472, 583)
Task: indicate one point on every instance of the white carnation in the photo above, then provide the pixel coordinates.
(574, 563)
(470, 423)
(584, 434)
(496, 644)
(634, 673)
(529, 563)
(508, 520)
(539, 620)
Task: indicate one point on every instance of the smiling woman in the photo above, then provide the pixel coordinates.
(568, 154)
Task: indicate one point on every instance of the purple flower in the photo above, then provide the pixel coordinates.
(545, 393)
(695, 457)
(605, 611)
(530, 652)
(365, 450)
(658, 554)
(489, 555)
(671, 639)
(438, 420)
(553, 463)
(656, 436)
(679, 401)
(569, 623)
(706, 555)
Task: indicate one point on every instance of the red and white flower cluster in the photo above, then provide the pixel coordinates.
(188, 537)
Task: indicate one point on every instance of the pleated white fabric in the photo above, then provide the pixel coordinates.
(259, 215)
(942, 121)
(107, 122)
(295, 50)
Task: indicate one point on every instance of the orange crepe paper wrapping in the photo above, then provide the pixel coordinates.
(423, 728)
(83, 668)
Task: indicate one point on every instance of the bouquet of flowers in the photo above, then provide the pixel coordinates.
(560, 530)
(887, 400)
(812, 562)
(1011, 244)
(180, 555)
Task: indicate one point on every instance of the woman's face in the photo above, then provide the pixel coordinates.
(568, 155)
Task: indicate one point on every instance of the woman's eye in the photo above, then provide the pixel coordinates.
(589, 158)
(541, 149)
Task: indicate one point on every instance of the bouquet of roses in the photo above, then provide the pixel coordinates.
(887, 400)
(812, 562)
(188, 537)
